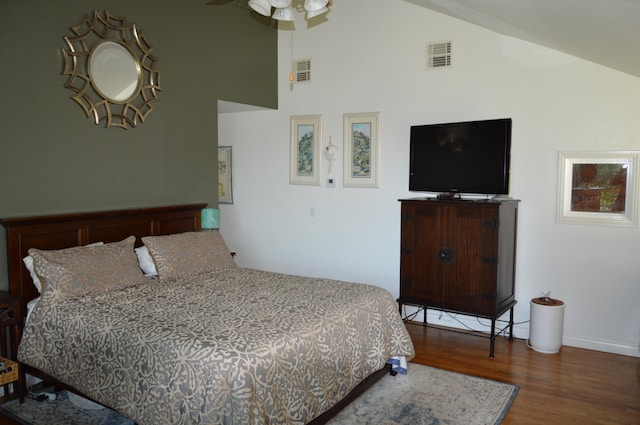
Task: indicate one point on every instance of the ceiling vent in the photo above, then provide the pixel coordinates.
(301, 71)
(439, 55)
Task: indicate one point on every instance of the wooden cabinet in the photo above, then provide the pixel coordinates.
(459, 256)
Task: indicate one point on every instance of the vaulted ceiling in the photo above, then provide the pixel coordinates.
(606, 32)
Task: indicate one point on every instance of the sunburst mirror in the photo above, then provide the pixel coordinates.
(111, 71)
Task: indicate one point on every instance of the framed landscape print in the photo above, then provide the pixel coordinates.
(225, 189)
(361, 149)
(306, 148)
(598, 187)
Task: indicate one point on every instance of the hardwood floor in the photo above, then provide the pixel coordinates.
(7, 421)
(574, 386)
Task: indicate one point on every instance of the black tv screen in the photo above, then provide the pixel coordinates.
(463, 157)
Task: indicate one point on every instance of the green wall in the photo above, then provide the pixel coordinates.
(53, 159)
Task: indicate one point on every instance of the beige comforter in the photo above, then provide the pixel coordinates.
(236, 346)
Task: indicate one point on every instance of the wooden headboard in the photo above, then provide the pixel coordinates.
(67, 230)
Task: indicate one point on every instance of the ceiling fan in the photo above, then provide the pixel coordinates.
(282, 9)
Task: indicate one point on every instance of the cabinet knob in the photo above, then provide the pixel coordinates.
(446, 256)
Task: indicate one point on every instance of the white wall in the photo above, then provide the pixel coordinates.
(370, 56)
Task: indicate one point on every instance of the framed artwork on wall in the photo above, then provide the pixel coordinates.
(598, 188)
(306, 148)
(361, 149)
(225, 188)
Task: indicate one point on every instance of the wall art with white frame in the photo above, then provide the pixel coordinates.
(306, 149)
(361, 149)
(598, 188)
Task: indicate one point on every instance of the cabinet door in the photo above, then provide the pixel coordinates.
(470, 279)
(422, 235)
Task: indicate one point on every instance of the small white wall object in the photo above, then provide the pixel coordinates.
(330, 152)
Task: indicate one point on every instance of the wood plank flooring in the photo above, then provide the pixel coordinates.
(574, 386)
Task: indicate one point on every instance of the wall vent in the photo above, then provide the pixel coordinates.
(439, 55)
(302, 71)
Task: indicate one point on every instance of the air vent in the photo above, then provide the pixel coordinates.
(302, 71)
(439, 55)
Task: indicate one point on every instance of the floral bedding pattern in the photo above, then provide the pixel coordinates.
(234, 346)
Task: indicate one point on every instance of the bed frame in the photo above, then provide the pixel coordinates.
(67, 230)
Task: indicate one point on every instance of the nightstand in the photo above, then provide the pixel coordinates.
(10, 333)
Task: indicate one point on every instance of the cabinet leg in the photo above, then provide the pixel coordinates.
(511, 324)
(493, 337)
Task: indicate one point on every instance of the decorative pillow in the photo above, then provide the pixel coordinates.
(28, 263)
(146, 262)
(74, 272)
(190, 253)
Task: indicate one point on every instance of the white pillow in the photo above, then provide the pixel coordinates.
(146, 262)
(28, 263)
(31, 305)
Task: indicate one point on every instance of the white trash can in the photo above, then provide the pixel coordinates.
(546, 325)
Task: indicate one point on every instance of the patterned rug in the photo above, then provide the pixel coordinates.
(425, 396)
(60, 412)
(430, 396)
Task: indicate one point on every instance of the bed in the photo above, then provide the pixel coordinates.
(203, 341)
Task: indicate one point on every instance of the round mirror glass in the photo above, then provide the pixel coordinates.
(114, 71)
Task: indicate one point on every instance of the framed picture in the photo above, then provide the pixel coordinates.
(306, 148)
(225, 188)
(598, 187)
(361, 149)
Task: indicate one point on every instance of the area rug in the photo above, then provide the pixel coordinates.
(59, 412)
(430, 396)
(425, 396)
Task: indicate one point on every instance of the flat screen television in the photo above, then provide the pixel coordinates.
(470, 157)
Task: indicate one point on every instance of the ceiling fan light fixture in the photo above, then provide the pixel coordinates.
(315, 5)
(280, 4)
(283, 9)
(283, 14)
(261, 6)
(311, 15)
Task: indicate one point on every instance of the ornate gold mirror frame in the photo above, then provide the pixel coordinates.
(111, 71)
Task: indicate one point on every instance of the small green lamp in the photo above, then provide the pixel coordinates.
(210, 219)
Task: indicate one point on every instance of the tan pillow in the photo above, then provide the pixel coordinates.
(78, 271)
(28, 263)
(190, 253)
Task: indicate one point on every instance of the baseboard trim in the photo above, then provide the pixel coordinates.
(520, 331)
(470, 323)
(604, 346)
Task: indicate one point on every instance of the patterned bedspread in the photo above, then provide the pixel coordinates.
(236, 346)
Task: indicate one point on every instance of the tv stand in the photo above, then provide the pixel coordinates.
(459, 256)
